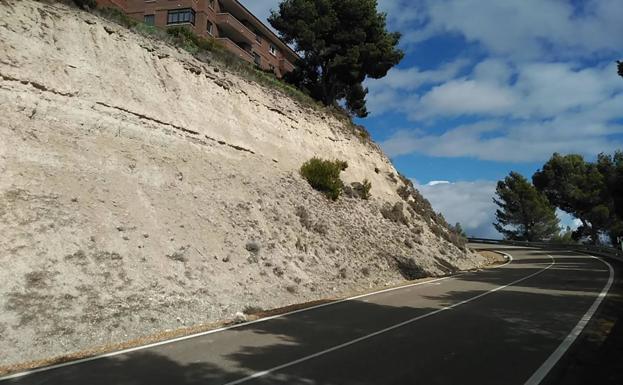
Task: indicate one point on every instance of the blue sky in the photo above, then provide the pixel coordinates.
(490, 86)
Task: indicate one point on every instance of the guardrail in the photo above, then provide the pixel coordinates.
(609, 252)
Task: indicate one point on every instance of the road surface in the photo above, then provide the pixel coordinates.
(507, 325)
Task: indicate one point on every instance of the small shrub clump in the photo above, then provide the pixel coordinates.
(365, 192)
(342, 164)
(82, 4)
(118, 17)
(190, 41)
(358, 190)
(250, 310)
(86, 4)
(324, 176)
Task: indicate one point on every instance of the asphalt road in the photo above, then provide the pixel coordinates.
(507, 325)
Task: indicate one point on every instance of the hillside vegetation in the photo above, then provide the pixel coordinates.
(143, 190)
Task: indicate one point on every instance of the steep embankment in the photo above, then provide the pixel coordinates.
(143, 190)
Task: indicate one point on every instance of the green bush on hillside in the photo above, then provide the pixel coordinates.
(342, 164)
(118, 17)
(86, 4)
(365, 192)
(324, 175)
(187, 38)
(83, 4)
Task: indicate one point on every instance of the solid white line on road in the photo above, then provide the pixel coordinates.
(509, 259)
(124, 351)
(551, 361)
(390, 328)
(195, 335)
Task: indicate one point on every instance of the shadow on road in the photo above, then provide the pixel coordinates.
(528, 319)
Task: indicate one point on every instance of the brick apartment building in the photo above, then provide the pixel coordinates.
(228, 21)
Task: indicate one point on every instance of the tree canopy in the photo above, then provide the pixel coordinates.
(341, 42)
(581, 189)
(459, 230)
(620, 67)
(611, 168)
(524, 213)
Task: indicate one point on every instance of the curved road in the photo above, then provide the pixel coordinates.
(507, 325)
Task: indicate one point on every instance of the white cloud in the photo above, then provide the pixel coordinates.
(567, 220)
(548, 107)
(541, 91)
(413, 78)
(495, 71)
(381, 100)
(529, 29)
(436, 182)
(402, 12)
(469, 203)
(261, 8)
(465, 97)
(387, 94)
(549, 89)
(495, 141)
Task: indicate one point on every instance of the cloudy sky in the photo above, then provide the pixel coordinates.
(490, 86)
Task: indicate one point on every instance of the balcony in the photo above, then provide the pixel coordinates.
(235, 49)
(233, 28)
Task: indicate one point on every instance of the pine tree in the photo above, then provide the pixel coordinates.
(579, 188)
(341, 43)
(459, 230)
(525, 213)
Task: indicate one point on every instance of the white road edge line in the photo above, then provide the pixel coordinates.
(551, 361)
(155, 344)
(509, 259)
(390, 328)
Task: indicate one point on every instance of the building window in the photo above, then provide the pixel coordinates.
(180, 16)
(258, 38)
(149, 19)
(273, 50)
(210, 28)
(257, 59)
(211, 4)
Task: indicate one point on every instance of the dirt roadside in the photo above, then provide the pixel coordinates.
(493, 258)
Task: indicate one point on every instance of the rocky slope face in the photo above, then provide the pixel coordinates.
(143, 190)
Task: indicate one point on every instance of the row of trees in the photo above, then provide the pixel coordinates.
(592, 192)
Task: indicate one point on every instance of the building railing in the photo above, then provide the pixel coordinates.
(604, 251)
(236, 49)
(227, 19)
